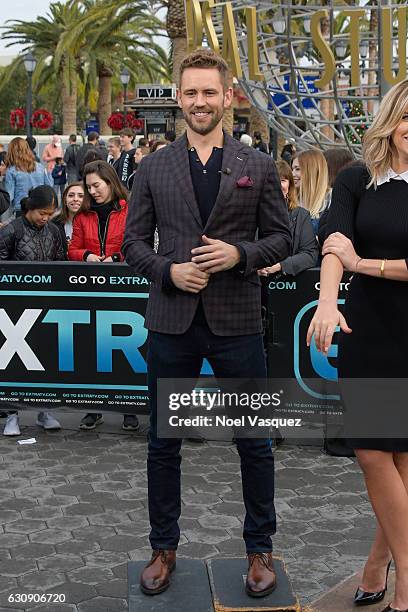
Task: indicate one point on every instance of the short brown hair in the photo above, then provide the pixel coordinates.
(206, 58)
(107, 173)
(127, 131)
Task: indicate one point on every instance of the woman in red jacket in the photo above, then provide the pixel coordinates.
(97, 236)
(98, 230)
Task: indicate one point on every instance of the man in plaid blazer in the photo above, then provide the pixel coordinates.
(220, 216)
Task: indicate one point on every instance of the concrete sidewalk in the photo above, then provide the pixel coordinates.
(73, 512)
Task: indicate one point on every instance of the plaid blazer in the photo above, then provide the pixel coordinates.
(254, 217)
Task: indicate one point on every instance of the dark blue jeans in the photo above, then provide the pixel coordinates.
(181, 356)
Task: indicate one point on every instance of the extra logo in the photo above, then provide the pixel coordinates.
(314, 372)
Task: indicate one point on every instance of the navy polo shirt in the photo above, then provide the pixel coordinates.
(206, 180)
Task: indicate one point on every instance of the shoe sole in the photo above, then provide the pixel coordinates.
(160, 589)
(87, 427)
(11, 435)
(261, 593)
(130, 428)
(48, 428)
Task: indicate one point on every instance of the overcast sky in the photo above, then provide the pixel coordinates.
(20, 9)
(28, 10)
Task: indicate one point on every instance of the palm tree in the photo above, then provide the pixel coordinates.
(88, 40)
(117, 34)
(176, 31)
(42, 37)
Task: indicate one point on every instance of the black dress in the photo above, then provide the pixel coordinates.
(374, 355)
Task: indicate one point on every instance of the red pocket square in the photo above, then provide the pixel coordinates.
(245, 181)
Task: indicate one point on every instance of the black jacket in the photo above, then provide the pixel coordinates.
(61, 228)
(22, 241)
(70, 159)
(4, 200)
(126, 166)
(80, 156)
(305, 250)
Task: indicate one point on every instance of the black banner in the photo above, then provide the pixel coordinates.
(73, 335)
(291, 305)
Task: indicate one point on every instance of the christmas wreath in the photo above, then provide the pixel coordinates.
(42, 119)
(17, 119)
(116, 122)
(132, 122)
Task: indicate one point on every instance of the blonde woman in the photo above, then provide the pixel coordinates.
(23, 172)
(368, 234)
(304, 249)
(311, 176)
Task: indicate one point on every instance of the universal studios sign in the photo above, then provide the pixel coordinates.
(199, 20)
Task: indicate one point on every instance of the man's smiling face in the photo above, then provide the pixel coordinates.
(203, 99)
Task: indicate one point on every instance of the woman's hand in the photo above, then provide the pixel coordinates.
(92, 257)
(323, 325)
(340, 245)
(107, 259)
(270, 270)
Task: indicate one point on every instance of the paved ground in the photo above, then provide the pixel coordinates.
(73, 512)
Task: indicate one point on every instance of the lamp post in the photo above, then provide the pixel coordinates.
(124, 79)
(29, 64)
(341, 48)
(279, 23)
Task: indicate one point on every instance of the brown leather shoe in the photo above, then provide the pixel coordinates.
(155, 577)
(261, 578)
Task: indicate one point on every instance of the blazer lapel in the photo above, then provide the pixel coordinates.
(234, 159)
(182, 176)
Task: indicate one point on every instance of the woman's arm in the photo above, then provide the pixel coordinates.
(327, 316)
(392, 269)
(76, 248)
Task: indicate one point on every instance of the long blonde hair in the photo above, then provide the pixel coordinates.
(20, 155)
(377, 144)
(314, 184)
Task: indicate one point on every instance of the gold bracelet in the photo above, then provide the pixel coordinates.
(382, 267)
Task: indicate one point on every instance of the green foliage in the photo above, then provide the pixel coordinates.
(83, 39)
(356, 132)
(15, 96)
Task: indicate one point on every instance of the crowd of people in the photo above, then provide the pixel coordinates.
(72, 206)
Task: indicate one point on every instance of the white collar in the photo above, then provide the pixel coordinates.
(391, 174)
